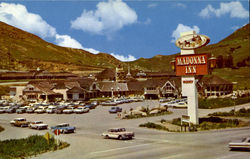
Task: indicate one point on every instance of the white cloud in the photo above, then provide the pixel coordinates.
(108, 18)
(235, 9)
(124, 58)
(67, 41)
(18, 16)
(183, 28)
(180, 5)
(152, 5)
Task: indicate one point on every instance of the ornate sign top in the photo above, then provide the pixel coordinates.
(192, 41)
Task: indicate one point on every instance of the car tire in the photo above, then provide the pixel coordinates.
(106, 137)
(120, 138)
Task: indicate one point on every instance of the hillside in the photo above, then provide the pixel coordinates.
(237, 44)
(21, 50)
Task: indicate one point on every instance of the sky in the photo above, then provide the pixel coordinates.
(126, 29)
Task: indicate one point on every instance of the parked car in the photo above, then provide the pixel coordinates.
(115, 109)
(118, 133)
(11, 110)
(30, 110)
(90, 106)
(64, 128)
(109, 103)
(40, 110)
(80, 110)
(20, 110)
(4, 109)
(243, 144)
(19, 122)
(59, 110)
(69, 110)
(51, 109)
(39, 125)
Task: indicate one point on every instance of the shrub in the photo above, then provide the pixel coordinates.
(33, 145)
(221, 102)
(240, 113)
(154, 126)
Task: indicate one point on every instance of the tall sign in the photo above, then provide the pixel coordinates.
(188, 65)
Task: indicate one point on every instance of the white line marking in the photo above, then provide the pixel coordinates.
(122, 148)
(173, 156)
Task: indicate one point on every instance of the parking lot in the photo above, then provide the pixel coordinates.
(87, 142)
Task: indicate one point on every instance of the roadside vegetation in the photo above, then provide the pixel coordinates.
(154, 126)
(240, 113)
(135, 116)
(31, 146)
(207, 123)
(142, 112)
(222, 102)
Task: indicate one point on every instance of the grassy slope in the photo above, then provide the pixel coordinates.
(28, 50)
(239, 41)
(242, 76)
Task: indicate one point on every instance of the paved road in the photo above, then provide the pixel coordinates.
(148, 144)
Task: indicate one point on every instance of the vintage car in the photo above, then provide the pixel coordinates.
(109, 103)
(39, 125)
(40, 110)
(19, 122)
(80, 110)
(243, 144)
(64, 128)
(51, 109)
(68, 110)
(118, 133)
(11, 110)
(115, 110)
(90, 106)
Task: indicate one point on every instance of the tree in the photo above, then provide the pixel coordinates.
(220, 62)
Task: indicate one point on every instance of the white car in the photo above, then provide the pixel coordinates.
(12, 122)
(243, 144)
(40, 110)
(180, 105)
(118, 133)
(69, 110)
(80, 110)
(51, 109)
(39, 125)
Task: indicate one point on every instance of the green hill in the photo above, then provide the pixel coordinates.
(236, 44)
(21, 50)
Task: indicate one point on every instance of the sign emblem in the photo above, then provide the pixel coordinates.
(192, 41)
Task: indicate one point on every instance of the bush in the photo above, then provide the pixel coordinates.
(33, 145)
(240, 113)
(221, 102)
(154, 126)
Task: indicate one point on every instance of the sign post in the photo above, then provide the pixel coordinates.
(57, 132)
(189, 64)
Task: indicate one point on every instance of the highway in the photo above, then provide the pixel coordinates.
(87, 142)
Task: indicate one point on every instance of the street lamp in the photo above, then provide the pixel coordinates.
(112, 93)
(172, 62)
(212, 62)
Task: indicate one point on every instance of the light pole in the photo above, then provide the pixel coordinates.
(112, 93)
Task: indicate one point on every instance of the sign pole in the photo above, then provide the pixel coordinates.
(189, 89)
(188, 65)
